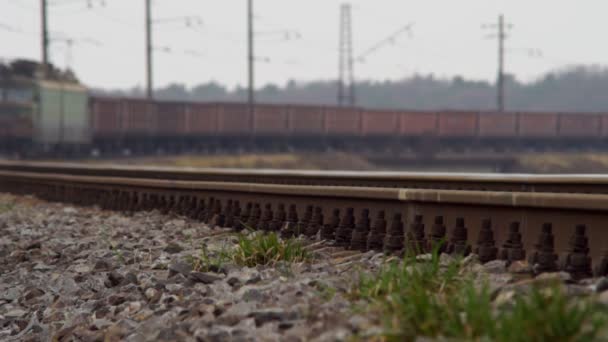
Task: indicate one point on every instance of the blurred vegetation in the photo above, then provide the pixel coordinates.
(563, 163)
(252, 248)
(574, 88)
(268, 249)
(444, 300)
(322, 161)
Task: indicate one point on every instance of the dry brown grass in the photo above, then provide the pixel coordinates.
(322, 161)
(564, 163)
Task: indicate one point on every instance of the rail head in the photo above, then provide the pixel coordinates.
(304, 175)
(524, 200)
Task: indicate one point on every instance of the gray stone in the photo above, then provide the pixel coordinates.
(114, 279)
(101, 323)
(215, 334)
(82, 269)
(180, 267)
(116, 299)
(504, 297)
(33, 293)
(272, 314)
(286, 325)
(102, 265)
(173, 248)
(130, 278)
(69, 210)
(15, 313)
(174, 288)
(602, 285)
(11, 293)
(152, 293)
(558, 276)
(522, 267)
(42, 267)
(252, 295)
(254, 279)
(34, 245)
(66, 285)
(339, 334)
(233, 281)
(573, 290)
(424, 257)
(205, 278)
(470, 259)
(358, 323)
(603, 298)
(495, 266)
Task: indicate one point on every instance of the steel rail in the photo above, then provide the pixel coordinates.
(494, 224)
(592, 184)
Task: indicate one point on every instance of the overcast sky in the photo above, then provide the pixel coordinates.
(447, 38)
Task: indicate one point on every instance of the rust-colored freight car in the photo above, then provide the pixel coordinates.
(135, 121)
(537, 125)
(579, 125)
(376, 123)
(306, 120)
(139, 117)
(497, 125)
(603, 125)
(233, 119)
(106, 117)
(270, 120)
(414, 124)
(342, 121)
(171, 119)
(202, 119)
(458, 124)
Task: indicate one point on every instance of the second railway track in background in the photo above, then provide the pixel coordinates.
(539, 218)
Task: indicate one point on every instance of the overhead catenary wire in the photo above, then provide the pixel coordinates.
(386, 41)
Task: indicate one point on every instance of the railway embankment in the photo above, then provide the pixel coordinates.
(82, 273)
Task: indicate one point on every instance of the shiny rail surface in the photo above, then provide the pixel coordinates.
(591, 184)
(553, 230)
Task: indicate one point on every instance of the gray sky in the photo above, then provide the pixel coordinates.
(447, 38)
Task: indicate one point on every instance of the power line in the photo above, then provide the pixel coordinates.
(14, 29)
(89, 3)
(386, 41)
(45, 36)
(250, 63)
(346, 80)
(501, 35)
(149, 79)
(22, 6)
(190, 21)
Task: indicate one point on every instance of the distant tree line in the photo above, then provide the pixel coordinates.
(577, 88)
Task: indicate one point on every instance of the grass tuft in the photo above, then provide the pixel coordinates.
(251, 250)
(6, 207)
(268, 249)
(432, 299)
(550, 315)
(207, 261)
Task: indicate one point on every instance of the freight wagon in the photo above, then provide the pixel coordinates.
(46, 116)
(229, 125)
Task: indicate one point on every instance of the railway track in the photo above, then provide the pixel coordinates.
(595, 184)
(556, 222)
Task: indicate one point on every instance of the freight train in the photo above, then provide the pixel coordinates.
(51, 116)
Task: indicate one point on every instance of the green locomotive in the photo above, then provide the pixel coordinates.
(42, 115)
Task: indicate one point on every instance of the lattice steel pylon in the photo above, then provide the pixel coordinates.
(346, 82)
